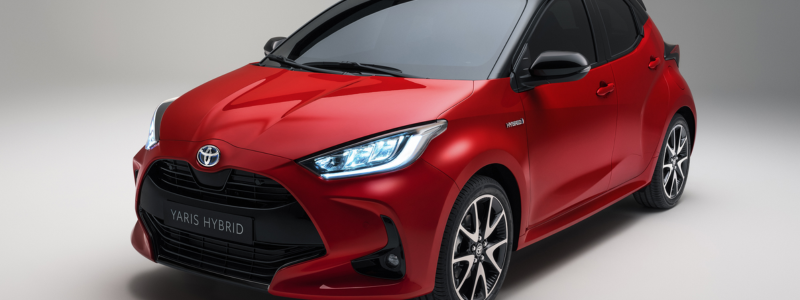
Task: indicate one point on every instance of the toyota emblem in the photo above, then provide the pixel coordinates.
(208, 156)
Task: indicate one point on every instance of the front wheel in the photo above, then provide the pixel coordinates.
(477, 243)
(672, 171)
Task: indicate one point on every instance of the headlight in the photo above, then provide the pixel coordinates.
(155, 124)
(385, 153)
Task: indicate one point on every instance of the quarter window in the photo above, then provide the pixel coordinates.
(619, 23)
(563, 27)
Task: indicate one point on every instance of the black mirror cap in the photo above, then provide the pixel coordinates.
(273, 44)
(556, 67)
(558, 63)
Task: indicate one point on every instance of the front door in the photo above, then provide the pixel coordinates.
(570, 126)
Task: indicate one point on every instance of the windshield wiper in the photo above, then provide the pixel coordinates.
(369, 67)
(285, 61)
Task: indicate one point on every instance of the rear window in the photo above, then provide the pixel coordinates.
(444, 39)
(619, 23)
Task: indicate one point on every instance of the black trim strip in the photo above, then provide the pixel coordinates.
(503, 68)
(162, 108)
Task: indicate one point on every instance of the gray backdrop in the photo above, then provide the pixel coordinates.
(79, 81)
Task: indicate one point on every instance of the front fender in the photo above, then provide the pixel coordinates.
(477, 136)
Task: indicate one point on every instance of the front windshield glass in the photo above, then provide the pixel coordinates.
(443, 39)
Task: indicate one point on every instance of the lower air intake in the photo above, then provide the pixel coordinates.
(252, 263)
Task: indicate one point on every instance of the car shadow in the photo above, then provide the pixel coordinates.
(536, 261)
(167, 284)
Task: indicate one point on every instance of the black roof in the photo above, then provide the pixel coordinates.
(642, 3)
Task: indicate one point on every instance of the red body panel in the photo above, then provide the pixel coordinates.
(293, 114)
(141, 242)
(643, 98)
(666, 96)
(571, 138)
(576, 154)
(477, 137)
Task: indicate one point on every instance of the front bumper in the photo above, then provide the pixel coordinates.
(346, 214)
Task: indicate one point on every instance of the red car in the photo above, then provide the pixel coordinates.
(396, 149)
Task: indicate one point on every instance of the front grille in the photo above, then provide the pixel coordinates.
(257, 263)
(242, 189)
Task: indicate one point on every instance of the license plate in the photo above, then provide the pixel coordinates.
(210, 223)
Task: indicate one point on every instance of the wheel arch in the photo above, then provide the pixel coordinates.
(689, 115)
(508, 182)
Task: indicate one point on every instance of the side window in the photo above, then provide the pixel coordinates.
(620, 27)
(563, 27)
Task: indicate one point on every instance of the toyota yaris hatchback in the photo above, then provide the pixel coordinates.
(393, 149)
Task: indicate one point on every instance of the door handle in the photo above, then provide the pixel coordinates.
(654, 62)
(606, 89)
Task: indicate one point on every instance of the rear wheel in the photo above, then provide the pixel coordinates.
(672, 171)
(477, 244)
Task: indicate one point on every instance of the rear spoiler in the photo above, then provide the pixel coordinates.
(672, 52)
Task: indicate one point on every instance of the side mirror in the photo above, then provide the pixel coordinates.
(273, 44)
(556, 67)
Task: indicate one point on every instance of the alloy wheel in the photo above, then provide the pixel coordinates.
(480, 249)
(676, 158)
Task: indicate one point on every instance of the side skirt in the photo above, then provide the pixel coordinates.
(585, 209)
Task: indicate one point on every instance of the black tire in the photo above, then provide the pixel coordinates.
(480, 190)
(665, 193)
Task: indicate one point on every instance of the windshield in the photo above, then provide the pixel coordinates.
(443, 39)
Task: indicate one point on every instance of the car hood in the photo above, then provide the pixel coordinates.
(293, 114)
